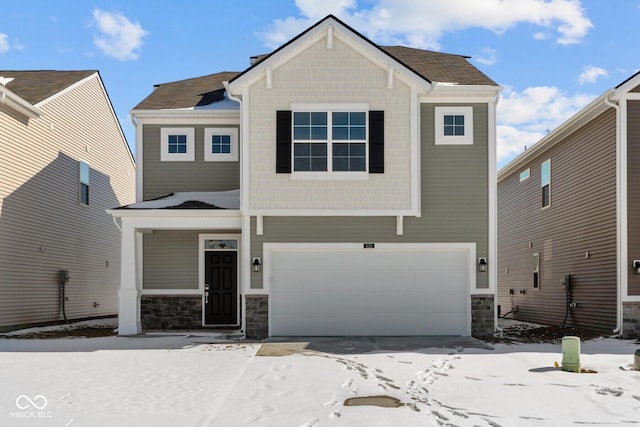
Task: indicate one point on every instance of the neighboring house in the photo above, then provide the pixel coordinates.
(335, 187)
(64, 161)
(570, 206)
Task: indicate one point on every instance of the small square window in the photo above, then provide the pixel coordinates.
(453, 125)
(177, 145)
(525, 174)
(221, 144)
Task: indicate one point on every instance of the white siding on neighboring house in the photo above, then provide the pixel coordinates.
(337, 75)
(43, 227)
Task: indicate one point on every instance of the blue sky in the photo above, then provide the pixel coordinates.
(551, 57)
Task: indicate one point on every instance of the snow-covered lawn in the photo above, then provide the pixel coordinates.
(176, 380)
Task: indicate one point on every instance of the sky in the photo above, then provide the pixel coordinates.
(551, 57)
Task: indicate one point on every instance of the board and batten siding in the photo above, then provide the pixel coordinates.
(333, 76)
(162, 178)
(575, 235)
(633, 193)
(454, 203)
(43, 227)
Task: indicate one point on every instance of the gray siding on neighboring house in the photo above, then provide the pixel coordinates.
(580, 219)
(454, 203)
(43, 228)
(161, 178)
(170, 260)
(633, 193)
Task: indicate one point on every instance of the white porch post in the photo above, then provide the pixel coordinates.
(129, 292)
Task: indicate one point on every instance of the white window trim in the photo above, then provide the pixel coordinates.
(329, 174)
(165, 156)
(441, 138)
(525, 174)
(218, 157)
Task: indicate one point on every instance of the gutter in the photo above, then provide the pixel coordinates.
(18, 104)
(607, 100)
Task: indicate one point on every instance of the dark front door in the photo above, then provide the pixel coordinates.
(221, 288)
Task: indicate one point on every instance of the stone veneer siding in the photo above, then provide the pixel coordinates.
(482, 316)
(631, 320)
(171, 312)
(257, 307)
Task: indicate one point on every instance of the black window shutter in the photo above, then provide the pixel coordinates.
(376, 141)
(283, 142)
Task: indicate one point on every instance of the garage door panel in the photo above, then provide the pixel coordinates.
(369, 292)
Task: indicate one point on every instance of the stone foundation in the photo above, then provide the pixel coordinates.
(631, 320)
(257, 322)
(171, 312)
(482, 316)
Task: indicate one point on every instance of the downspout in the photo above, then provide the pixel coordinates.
(615, 106)
(246, 223)
(494, 251)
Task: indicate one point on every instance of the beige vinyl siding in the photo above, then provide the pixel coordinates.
(329, 76)
(580, 219)
(162, 178)
(454, 203)
(170, 260)
(633, 195)
(43, 228)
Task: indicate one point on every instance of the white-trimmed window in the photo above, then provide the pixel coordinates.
(83, 182)
(545, 183)
(221, 144)
(330, 140)
(454, 125)
(177, 144)
(525, 174)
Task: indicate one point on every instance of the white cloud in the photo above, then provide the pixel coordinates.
(487, 57)
(4, 44)
(119, 37)
(421, 23)
(590, 74)
(525, 117)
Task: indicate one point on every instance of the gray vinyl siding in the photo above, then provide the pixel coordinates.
(580, 219)
(161, 178)
(43, 228)
(633, 195)
(454, 203)
(170, 260)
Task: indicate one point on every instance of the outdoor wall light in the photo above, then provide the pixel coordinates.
(256, 265)
(482, 265)
(636, 265)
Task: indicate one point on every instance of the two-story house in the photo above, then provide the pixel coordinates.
(335, 187)
(64, 161)
(569, 221)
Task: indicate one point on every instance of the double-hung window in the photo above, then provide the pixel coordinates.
(545, 183)
(325, 140)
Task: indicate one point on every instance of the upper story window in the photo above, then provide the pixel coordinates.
(453, 125)
(329, 141)
(320, 140)
(525, 174)
(221, 144)
(545, 183)
(177, 144)
(84, 183)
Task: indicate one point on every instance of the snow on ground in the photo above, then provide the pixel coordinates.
(181, 380)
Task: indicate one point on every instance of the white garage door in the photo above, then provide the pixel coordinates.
(324, 291)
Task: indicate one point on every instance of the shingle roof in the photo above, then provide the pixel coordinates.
(187, 93)
(36, 86)
(438, 66)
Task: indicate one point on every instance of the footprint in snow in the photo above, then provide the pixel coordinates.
(310, 423)
(332, 402)
(347, 383)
